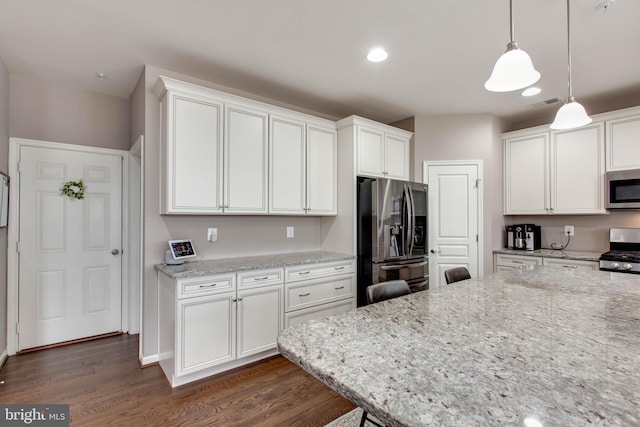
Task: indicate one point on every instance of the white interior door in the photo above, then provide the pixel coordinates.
(69, 284)
(454, 217)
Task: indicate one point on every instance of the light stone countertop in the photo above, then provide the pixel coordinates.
(550, 253)
(229, 265)
(560, 346)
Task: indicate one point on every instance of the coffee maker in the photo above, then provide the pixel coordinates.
(524, 237)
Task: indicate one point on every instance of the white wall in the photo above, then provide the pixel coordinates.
(52, 111)
(237, 235)
(467, 137)
(4, 167)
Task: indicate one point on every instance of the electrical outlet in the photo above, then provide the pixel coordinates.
(212, 234)
(568, 230)
(289, 232)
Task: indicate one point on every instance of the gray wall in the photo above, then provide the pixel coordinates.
(56, 112)
(4, 167)
(467, 137)
(237, 235)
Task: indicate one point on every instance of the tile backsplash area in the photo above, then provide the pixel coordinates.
(591, 231)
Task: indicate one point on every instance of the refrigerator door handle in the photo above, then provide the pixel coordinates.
(401, 266)
(411, 209)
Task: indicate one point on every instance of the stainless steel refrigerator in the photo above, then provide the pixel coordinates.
(392, 233)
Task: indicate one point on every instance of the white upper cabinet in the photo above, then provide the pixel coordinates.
(322, 170)
(526, 174)
(223, 154)
(554, 172)
(381, 150)
(623, 143)
(577, 170)
(245, 160)
(303, 167)
(190, 154)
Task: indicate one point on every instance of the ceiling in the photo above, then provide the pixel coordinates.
(311, 53)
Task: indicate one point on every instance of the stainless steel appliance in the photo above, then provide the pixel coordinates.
(526, 237)
(624, 251)
(392, 234)
(623, 189)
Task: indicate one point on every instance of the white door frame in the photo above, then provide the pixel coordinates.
(14, 225)
(478, 165)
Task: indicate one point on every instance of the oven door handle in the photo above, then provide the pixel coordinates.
(401, 266)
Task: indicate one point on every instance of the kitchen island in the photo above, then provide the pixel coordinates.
(560, 347)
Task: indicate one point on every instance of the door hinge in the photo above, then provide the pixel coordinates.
(19, 167)
(477, 238)
(18, 247)
(17, 328)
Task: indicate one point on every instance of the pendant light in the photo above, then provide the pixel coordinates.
(571, 114)
(514, 69)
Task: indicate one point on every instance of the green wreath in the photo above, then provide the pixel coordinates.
(73, 189)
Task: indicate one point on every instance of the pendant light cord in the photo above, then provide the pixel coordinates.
(569, 51)
(511, 30)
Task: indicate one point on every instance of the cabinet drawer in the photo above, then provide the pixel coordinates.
(517, 261)
(256, 278)
(571, 264)
(206, 285)
(300, 316)
(313, 271)
(320, 291)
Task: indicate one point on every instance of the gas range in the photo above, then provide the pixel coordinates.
(624, 251)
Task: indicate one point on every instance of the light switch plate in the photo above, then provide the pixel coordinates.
(212, 234)
(289, 232)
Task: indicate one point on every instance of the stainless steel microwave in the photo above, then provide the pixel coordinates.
(623, 189)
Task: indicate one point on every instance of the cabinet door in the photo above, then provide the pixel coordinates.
(370, 149)
(191, 156)
(245, 160)
(623, 143)
(396, 157)
(287, 166)
(205, 332)
(526, 172)
(322, 171)
(577, 170)
(260, 319)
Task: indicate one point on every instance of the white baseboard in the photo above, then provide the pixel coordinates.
(3, 357)
(148, 360)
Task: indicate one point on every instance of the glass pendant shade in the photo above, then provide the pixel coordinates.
(571, 115)
(513, 71)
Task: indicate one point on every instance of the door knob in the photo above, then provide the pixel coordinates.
(433, 251)
(115, 252)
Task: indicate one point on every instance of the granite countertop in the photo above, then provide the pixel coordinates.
(559, 346)
(551, 253)
(229, 265)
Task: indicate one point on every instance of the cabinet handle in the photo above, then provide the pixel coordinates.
(341, 287)
(208, 286)
(260, 278)
(240, 299)
(570, 266)
(517, 262)
(304, 295)
(339, 268)
(302, 273)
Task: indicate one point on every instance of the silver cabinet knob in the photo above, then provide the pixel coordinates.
(115, 252)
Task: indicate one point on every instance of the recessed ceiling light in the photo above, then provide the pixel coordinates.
(531, 91)
(377, 54)
(101, 76)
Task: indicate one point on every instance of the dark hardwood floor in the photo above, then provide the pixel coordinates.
(102, 382)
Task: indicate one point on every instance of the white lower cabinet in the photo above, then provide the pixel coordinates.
(511, 262)
(573, 264)
(503, 262)
(209, 325)
(318, 290)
